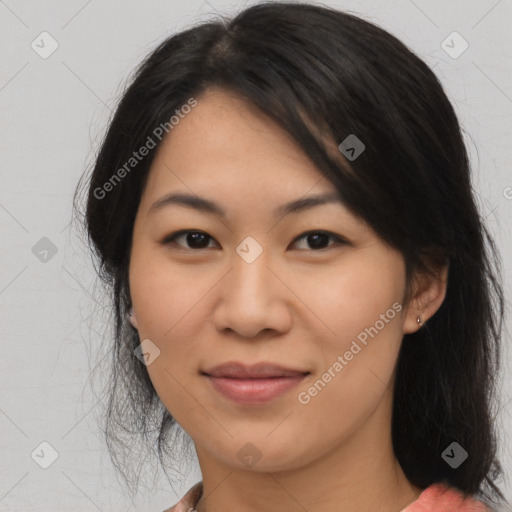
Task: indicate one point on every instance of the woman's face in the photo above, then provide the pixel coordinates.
(254, 287)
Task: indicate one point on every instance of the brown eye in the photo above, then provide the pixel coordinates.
(194, 239)
(318, 240)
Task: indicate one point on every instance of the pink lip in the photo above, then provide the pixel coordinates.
(253, 391)
(253, 384)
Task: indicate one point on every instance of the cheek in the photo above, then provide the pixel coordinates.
(358, 299)
(167, 306)
(164, 294)
(362, 310)
(358, 360)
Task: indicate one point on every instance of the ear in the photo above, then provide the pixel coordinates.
(133, 319)
(429, 292)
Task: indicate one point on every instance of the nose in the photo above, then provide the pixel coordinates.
(252, 299)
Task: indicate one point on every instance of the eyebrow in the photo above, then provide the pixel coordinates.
(206, 205)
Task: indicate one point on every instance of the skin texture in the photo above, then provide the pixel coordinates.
(295, 305)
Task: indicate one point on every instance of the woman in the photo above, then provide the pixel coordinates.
(355, 374)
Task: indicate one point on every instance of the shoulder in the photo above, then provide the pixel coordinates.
(189, 500)
(441, 498)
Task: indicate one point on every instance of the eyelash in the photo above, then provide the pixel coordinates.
(170, 239)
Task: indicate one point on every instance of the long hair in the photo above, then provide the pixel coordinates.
(325, 75)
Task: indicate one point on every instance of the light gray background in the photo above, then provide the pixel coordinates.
(53, 114)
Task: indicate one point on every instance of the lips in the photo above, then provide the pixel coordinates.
(255, 384)
(234, 370)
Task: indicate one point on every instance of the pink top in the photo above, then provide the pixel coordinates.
(440, 498)
(436, 498)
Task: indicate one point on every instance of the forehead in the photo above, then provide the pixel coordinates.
(228, 145)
